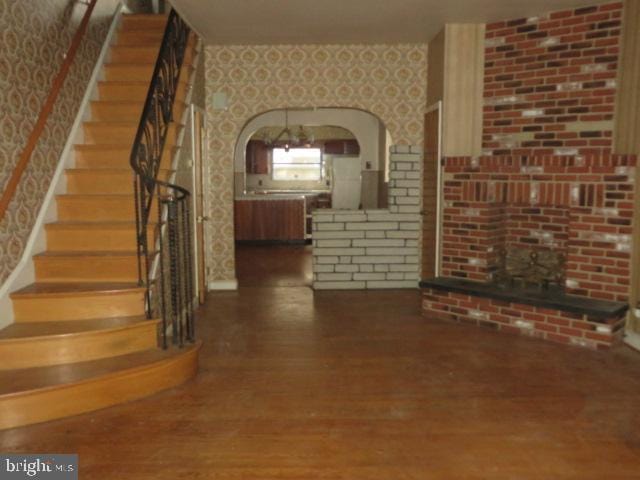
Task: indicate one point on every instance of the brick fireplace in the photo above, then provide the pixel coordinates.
(537, 232)
(578, 208)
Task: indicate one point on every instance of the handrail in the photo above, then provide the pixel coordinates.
(173, 291)
(47, 107)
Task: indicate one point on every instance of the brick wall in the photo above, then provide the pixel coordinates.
(582, 204)
(373, 249)
(550, 82)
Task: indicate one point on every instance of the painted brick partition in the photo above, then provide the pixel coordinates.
(550, 82)
(373, 249)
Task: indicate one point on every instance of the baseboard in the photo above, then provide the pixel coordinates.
(632, 339)
(223, 285)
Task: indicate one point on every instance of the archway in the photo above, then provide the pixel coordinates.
(333, 158)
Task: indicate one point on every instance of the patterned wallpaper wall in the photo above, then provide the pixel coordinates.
(34, 35)
(386, 80)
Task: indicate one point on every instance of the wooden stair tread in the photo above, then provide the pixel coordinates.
(131, 64)
(116, 253)
(75, 288)
(146, 15)
(121, 147)
(135, 83)
(23, 330)
(44, 378)
(121, 123)
(95, 195)
(93, 225)
(129, 102)
(107, 170)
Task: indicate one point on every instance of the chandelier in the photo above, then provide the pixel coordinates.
(288, 139)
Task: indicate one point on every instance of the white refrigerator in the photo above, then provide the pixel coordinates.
(346, 183)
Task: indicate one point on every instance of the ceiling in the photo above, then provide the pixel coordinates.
(263, 22)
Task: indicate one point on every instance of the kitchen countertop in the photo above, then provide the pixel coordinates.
(279, 196)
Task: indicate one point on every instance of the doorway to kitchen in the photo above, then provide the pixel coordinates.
(290, 163)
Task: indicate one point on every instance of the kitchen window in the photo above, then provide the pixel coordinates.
(297, 164)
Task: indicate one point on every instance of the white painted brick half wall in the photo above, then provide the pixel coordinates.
(373, 249)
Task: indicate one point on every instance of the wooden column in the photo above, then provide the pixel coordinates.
(430, 193)
(627, 118)
(455, 77)
(627, 129)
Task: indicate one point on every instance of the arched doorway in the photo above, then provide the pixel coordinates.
(289, 163)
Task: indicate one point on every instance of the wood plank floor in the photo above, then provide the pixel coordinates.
(357, 385)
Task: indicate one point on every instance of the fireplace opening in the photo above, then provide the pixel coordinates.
(530, 247)
(529, 268)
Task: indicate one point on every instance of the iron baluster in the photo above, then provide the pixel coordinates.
(173, 200)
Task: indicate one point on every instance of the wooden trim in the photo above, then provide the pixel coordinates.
(627, 117)
(21, 166)
(431, 193)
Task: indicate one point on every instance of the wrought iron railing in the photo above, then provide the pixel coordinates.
(164, 257)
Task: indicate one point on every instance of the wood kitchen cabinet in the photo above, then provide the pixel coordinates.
(266, 219)
(342, 147)
(257, 158)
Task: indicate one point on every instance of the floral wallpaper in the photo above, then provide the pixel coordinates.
(34, 35)
(386, 80)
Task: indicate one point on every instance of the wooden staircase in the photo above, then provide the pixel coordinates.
(81, 340)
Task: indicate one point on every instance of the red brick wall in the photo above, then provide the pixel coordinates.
(550, 82)
(533, 226)
(586, 201)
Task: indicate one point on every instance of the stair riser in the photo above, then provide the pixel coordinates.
(100, 184)
(129, 112)
(95, 209)
(134, 93)
(120, 54)
(86, 269)
(66, 400)
(145, 38)
(135, 73)
(139, 38)
(85, 159)
(78, 306)
(156, 23)
(92, 240)
(61, 349)
(94, 182)
(115, 112)
(104, 133)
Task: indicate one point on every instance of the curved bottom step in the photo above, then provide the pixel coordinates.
(40, 394)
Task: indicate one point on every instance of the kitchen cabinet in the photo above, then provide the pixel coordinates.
(342, 147)
(257, 158)
(270, 218)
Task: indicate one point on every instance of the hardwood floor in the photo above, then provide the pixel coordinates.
(357, 385)
(274, 265)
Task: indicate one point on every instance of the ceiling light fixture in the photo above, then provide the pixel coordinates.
(301, 138)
